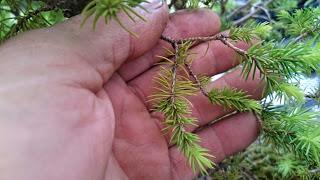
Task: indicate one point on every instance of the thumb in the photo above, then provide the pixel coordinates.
(109, 45)
(70, 49)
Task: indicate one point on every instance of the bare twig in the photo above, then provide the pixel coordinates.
(248, 174)
(220, 37)
(236, 11)
(175, 44)
(195, 40)
(301, 36)
(174, 72)
(255, 9)
(230, 45)
(315, 170)
(223, 4)
(196, 79)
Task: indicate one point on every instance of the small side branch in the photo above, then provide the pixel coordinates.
(221, 37)
(175, 44)
(230, 45)
(196, 79)
(174, 73)
(255, 9)
(236, 11)
(22, 20)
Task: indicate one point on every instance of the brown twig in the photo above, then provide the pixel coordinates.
(196, 79)
(221, 37)
(176, 42)
(174, 72)
(193, 39)
(230, 45)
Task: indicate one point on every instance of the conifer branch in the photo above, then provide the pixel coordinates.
(171, 101)
(294, 132)
(23, 20)
(297, 132)
(109, 9)
(232, 98)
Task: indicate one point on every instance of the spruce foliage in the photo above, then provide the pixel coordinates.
(285, 47)
(109, 9)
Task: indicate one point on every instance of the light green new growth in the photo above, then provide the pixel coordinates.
(170, 99)
(174, 85)
(234, 99)
(280, 62)
(290, 91)
(250, 31)
(109, 9)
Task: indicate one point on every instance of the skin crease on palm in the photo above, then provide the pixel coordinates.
(73, 101)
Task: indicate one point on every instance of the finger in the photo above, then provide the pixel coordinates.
(222, 139)
(104, 49)
(218, 58)
(182, 24)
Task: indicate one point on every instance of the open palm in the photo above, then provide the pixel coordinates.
(75, 102)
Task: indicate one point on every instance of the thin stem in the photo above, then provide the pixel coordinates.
(301, 36)
(221, 37)
(236, 11)
(193, 39)
(196, 79)
(175, 44)
(255, 9)
(230, 45)
(174, 73)
(223, 4)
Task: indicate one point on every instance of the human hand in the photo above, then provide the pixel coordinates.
(73, 102)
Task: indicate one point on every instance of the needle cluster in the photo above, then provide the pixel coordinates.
(109, 9)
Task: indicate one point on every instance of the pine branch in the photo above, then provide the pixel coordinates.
(301, 23)
(22, 21)
(232, 98)
(69, 8)
(171, 101)
(297, 132)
